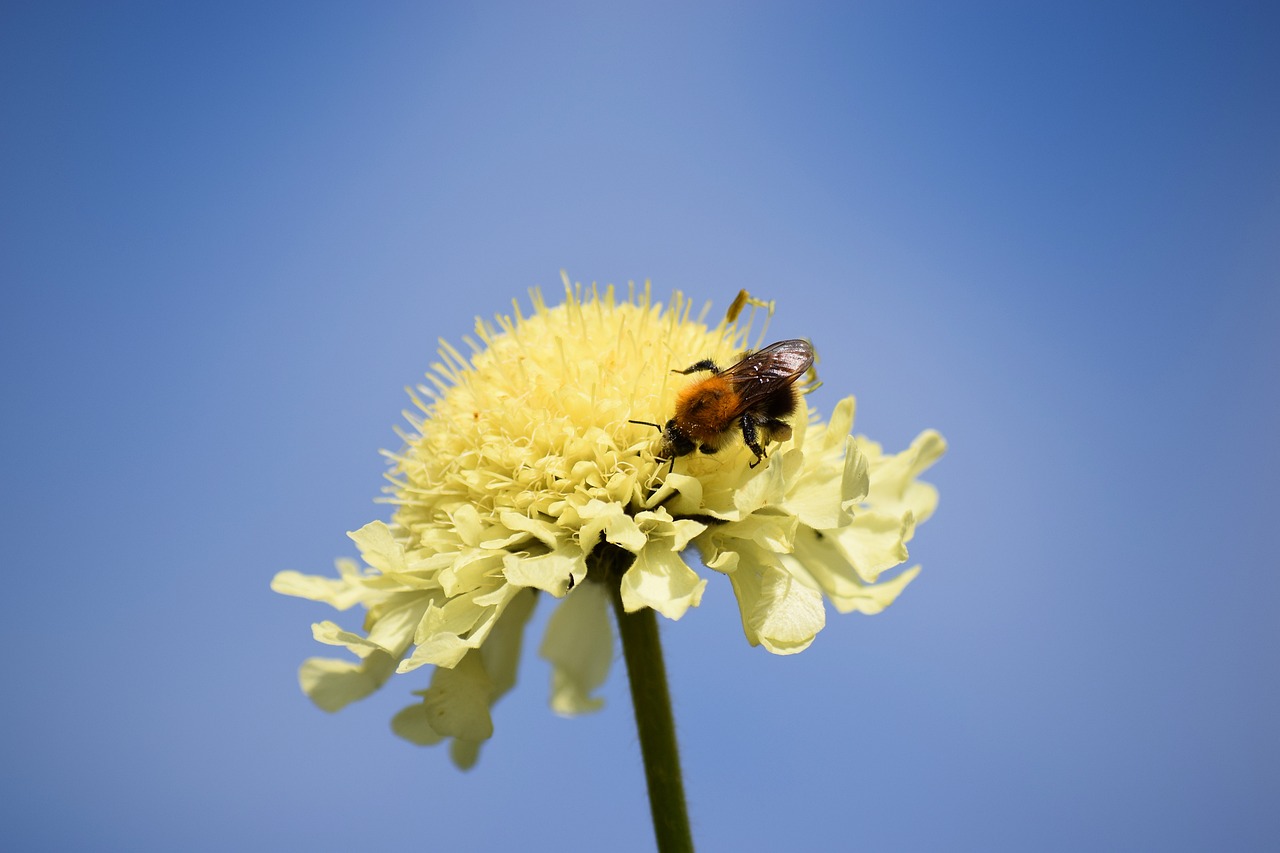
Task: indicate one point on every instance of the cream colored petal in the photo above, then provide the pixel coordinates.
(611, 520)
(507, 541)
(579, 645)
(464, 753)
(457, 702)
(855, 479)
(873, 542)
(469, 570)
(545, 532)
(818, 556)
(746, 586)
(501, 651)
(778, 612)
(340, 593)
(874, 598)
(379, 547)
(467, 525)
(788, 614)
(891, 475)
(675, 533)
(816, 502)
(398, 622)
(446, 633)
(413, 725)
(333, 684)
(456, 616)
(684, 531)
(331, 634)
(770, 532)
(840, 424)
(767, 488)
(921, 499)
(680, 493)
(440, 649)
(660, 579)
(548, 572)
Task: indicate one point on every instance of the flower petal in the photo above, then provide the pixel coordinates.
(332, 634)
(457, 702)
(893, 476)
(501, 651)
(778, 612)
(873, 542)
(874, 598)
(548, 572)
(788, 614)
(660, 579)
(612, 520)
(413, 724)
(579, 645)
(333, 684)
(446, 633)
(379, 547)
(397, 622)
(342, 592)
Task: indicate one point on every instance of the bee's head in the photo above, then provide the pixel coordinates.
(678, 444)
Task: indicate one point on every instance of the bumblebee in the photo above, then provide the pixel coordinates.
(753, 395)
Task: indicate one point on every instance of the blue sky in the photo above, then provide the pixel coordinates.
(231, 234)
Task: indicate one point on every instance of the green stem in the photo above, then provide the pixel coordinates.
(648, 676)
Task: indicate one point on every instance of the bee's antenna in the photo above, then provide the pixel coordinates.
(646, 423)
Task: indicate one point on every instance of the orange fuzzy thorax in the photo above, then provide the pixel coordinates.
(706, 409)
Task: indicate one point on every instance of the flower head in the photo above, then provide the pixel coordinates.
(524, 473)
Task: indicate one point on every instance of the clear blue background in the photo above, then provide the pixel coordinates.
(230, 234)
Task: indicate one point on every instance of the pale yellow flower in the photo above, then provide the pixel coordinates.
(523, 475)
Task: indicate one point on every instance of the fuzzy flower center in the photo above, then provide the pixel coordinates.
(538, 415)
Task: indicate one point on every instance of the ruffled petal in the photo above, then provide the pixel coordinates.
(660, 579)
(778, 611)
(548, 572)
(873, 542)
(611, 521)
(341, 593)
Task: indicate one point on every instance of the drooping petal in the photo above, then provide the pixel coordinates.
(414, 725)
(788, 614)
(501, 651)
(457, 702)
(579, 645)
(778, 611)
(333, 684)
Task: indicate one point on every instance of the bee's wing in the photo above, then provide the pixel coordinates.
(765, 371)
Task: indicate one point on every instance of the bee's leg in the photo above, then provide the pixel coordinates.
(752, 437)
(705, 364)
